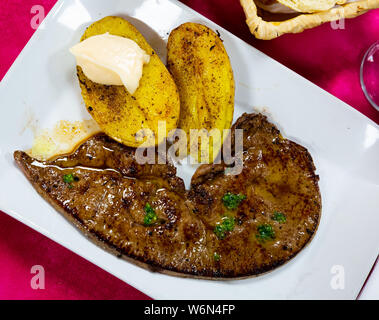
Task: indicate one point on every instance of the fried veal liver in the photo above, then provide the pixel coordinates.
(278, 212)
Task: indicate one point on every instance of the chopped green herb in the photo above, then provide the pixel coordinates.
(232, 201)
(68, 178)
(150, 215)
(223, 227)
(219, 231)
(265, 232)
(280, 217)
(228, 223)
(216, 256)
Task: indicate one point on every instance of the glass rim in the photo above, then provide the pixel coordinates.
(363, 85)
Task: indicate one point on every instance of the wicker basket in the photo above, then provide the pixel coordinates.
(266, 26)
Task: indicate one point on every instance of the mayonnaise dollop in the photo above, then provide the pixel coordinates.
(111, 60)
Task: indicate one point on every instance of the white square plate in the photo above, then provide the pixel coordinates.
(41, 88)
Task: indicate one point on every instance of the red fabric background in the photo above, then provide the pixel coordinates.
(329, 58)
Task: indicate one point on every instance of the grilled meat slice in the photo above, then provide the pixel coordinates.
(282, 203)
(102, 189)
(224, 227)
(102, 152)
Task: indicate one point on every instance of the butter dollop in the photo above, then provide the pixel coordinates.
(62, 138)
(111, 60)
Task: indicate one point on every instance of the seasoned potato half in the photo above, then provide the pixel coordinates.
(201, 69)
(121, 115)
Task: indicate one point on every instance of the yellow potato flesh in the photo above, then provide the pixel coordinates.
(122, 115)
(201, 69)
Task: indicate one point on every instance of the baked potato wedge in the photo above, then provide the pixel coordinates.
(202, 72)
(118, 113)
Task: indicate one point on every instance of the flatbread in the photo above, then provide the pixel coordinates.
(309, 6)
(273, 6)
(268, 30)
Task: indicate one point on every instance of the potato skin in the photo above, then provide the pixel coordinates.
(119, 114)
(201, 69)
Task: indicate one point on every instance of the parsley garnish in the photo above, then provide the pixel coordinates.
(232, 201)
(223, 227)
(68, 178)
(265, 232)
(280, 217)
(150, 215)
(216, 256)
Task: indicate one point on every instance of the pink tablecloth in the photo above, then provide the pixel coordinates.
(330, 58)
